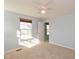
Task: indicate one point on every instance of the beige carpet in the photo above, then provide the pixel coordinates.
(42, 51)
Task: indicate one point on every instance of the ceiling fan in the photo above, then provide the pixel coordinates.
(43, 7)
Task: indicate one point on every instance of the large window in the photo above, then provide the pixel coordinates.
(25, 30)
(24, 34)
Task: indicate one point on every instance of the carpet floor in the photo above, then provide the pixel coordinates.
(42, 51)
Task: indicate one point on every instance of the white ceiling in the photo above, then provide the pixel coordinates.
(28, 7)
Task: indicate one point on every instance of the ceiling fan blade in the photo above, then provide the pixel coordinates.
(48, 3)
(37, 3)
(49, 8)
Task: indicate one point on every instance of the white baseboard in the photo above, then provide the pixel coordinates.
(62, 45)
(12, 50)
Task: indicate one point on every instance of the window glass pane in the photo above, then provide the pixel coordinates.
(18, 35)
(29, 31)
(18, 32)
(28, 26)
(22, 26)
(22, 37)
(23, 32)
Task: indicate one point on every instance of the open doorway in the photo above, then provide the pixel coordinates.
(46, 32)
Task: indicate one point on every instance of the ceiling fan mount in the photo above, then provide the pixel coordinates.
(43, 7)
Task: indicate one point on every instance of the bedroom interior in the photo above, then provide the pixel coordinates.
(39, 29)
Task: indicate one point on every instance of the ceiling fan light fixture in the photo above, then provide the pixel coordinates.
(43, 11)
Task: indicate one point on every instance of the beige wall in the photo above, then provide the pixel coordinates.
(62, 30)
(11, 24)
